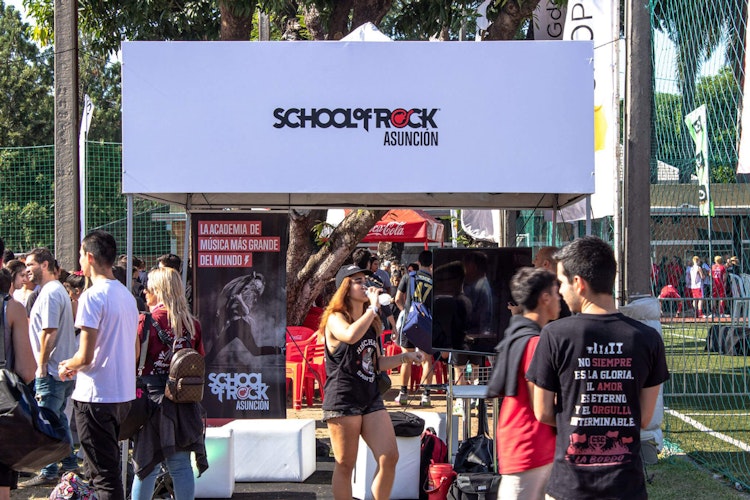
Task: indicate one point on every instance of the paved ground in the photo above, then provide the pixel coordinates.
(317, 486)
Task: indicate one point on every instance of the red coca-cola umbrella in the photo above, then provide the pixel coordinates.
(406, 226)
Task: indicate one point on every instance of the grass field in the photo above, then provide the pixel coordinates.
(675, 476)
(707, 402)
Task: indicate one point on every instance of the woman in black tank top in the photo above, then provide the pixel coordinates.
(353, 406)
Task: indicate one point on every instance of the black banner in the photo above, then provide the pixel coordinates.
(240, 299)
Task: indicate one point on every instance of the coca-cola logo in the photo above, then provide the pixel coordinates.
(389, 229)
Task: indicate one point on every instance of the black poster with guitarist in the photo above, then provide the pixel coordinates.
(240, 299)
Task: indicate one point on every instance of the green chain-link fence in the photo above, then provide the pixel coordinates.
(27, 212)
(698, 56)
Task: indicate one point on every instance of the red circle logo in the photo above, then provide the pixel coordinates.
(400, 117)
(243, 392)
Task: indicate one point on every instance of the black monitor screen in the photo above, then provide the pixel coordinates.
(471, 292)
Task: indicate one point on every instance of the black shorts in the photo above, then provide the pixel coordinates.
(351, 411)
(8, 477)
(404, 342)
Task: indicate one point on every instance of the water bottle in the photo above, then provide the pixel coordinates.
(469, 371)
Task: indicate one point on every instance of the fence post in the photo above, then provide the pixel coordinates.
(67, 216)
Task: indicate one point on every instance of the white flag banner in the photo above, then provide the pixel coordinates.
(549, 20)
(597, 20)
(697, 124)
(743, 161)
(88, 114)
(481, 224)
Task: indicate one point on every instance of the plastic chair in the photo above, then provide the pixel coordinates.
(296, 339)
(441, 372)
(295, 355)
(312, 320)
(415, 381)
(314, 369)
(390, 348)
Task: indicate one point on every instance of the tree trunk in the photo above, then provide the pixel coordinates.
(308, 270)
(313, 22)
(370, 10)
(511, 16)
(338, 23)
(236, 19)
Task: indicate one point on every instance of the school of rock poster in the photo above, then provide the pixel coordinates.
(240, 299)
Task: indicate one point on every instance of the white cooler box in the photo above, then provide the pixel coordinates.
(406, 484)
(218, 480)
(273, 450)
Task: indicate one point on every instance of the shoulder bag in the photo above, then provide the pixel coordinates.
(32, 437)
(418, 322)
(141, 407)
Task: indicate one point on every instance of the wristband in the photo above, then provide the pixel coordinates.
(373, 309)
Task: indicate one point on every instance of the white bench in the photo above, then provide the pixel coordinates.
(273, 450)
(218, 480)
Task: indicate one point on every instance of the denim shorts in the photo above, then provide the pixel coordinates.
(354, 411)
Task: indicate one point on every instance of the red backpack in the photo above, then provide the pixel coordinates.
(433, 450)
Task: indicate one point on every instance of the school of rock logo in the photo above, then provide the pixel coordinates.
(247, 389)
(416, 126)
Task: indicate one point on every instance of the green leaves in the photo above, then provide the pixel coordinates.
(26, 107)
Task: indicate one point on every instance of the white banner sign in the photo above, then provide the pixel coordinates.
(743, 163)
(697, 125)
(595, 20)
(338, 117)
(549, 20)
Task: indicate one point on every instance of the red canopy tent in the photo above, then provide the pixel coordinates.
(406, 226)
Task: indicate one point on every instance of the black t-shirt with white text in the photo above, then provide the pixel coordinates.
(597, 366)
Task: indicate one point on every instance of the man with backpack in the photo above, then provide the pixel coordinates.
(525, 446)
(422, 292)
(16, 354)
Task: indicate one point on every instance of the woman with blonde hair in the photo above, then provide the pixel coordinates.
(174, 429)
(353, 406)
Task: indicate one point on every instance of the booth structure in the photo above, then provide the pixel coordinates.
(397, 125)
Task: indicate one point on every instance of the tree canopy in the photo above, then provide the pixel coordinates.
(26, 105)
(105, 24)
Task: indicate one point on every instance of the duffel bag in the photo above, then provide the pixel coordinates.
(475, 486)
(32, 437)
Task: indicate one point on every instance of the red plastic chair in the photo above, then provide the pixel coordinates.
(415, 382)
(297, 337)
(441, 373)
(295, 353)
(312, 320)
(314, 369)
(390, 348)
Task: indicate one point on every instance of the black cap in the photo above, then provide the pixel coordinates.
(347, 271)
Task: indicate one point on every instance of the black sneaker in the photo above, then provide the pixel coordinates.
(39, 480)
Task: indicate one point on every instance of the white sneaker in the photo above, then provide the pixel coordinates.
(402, 398)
